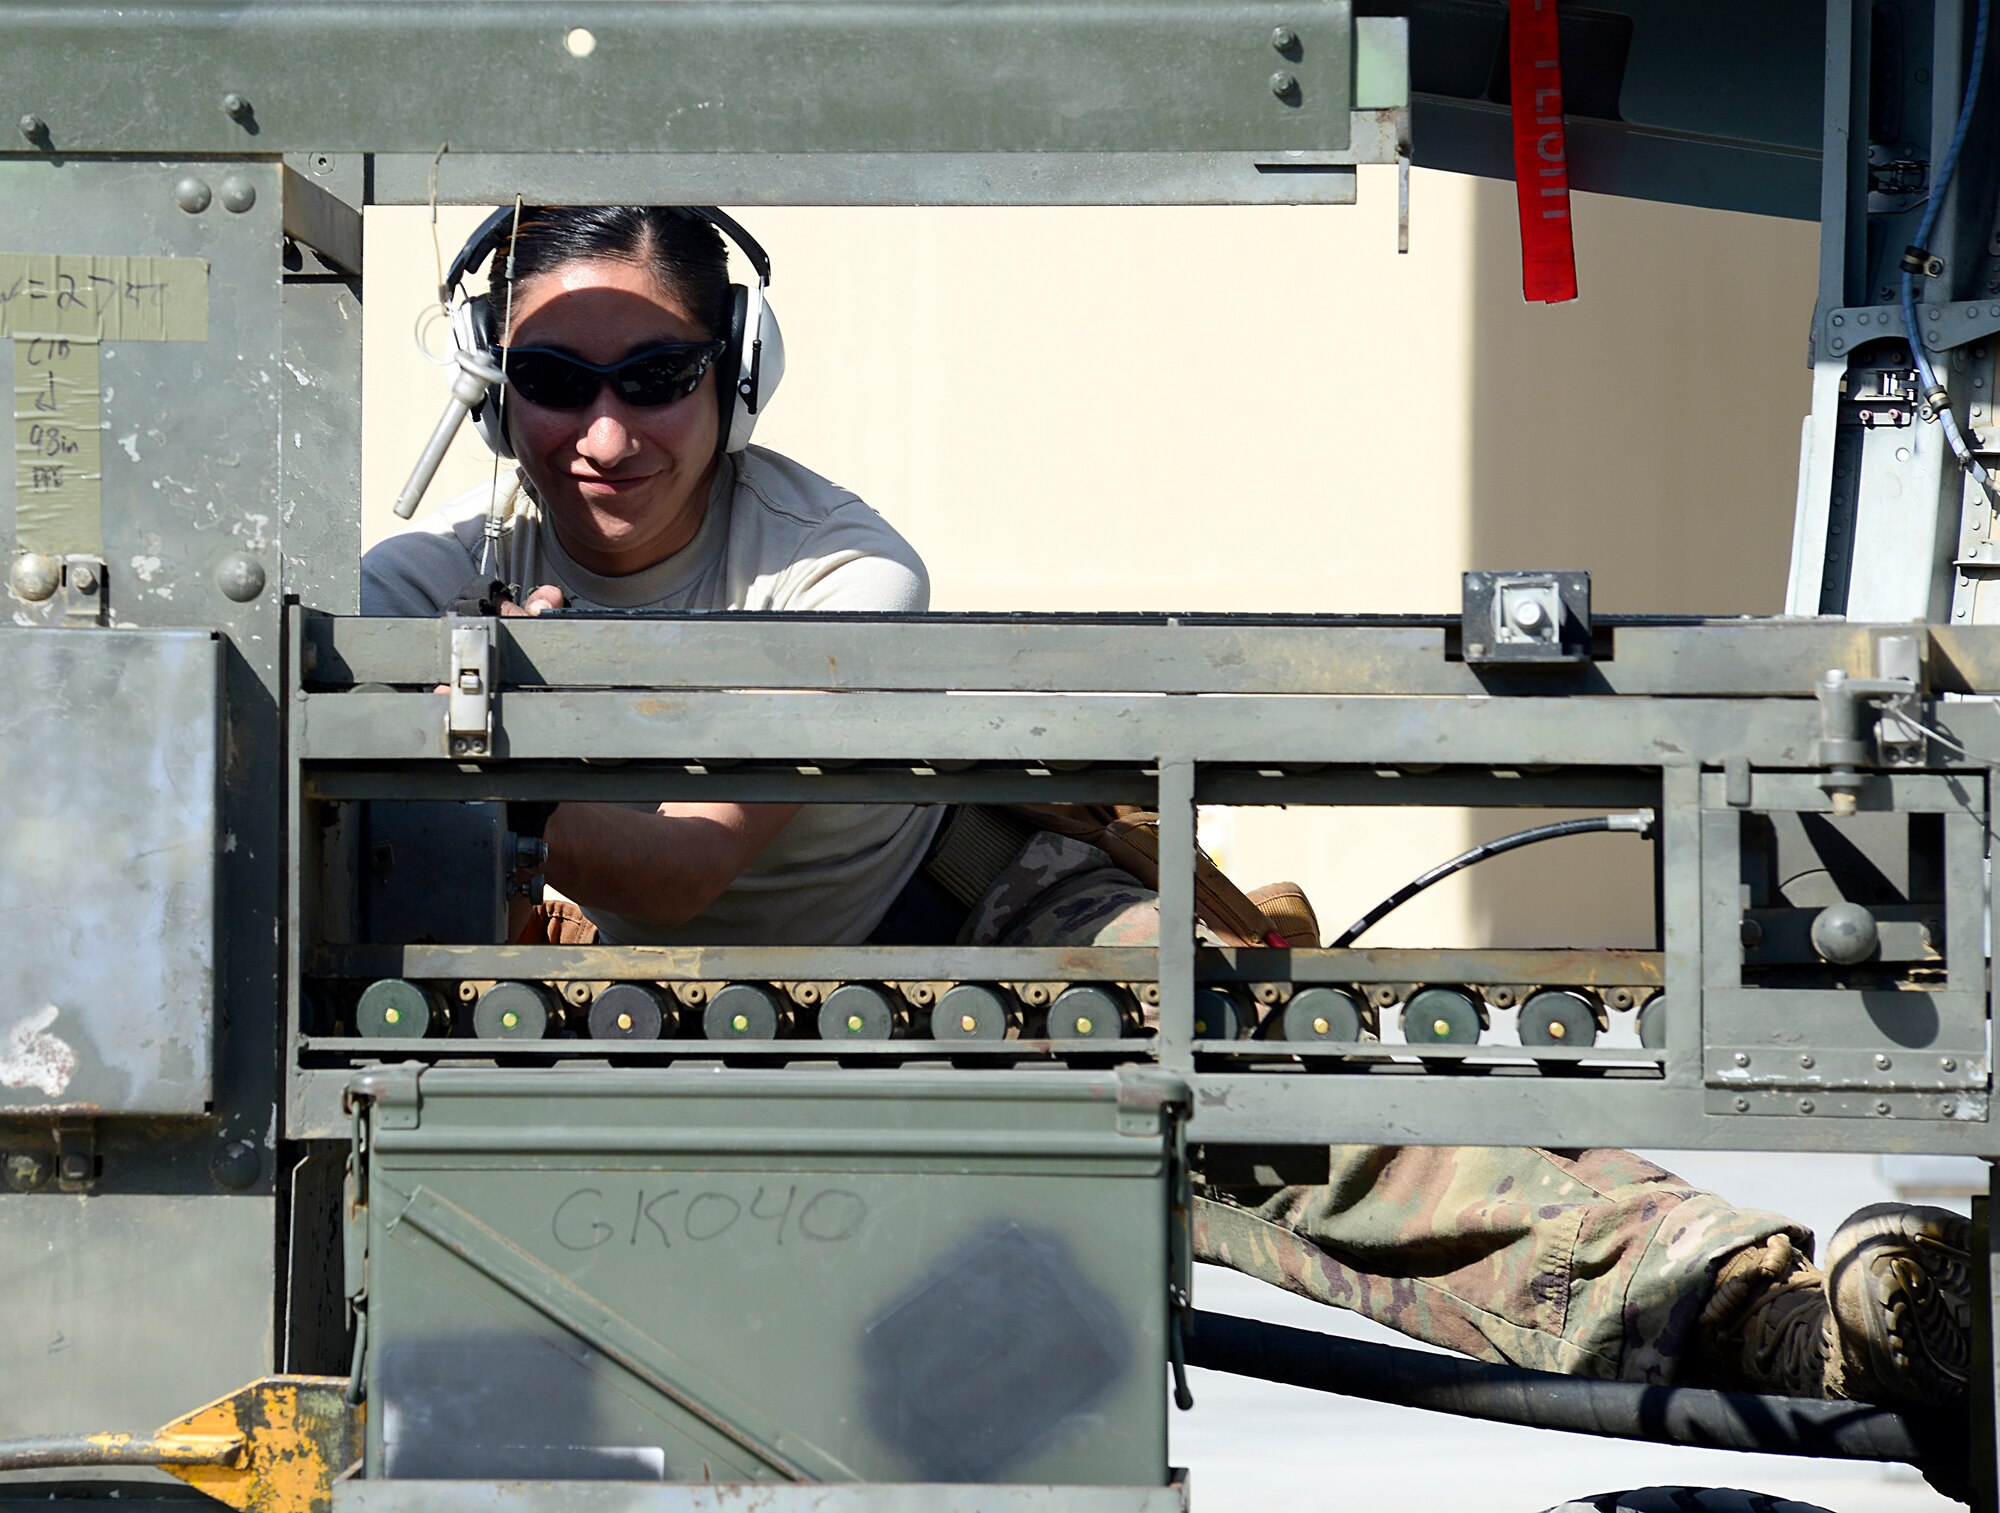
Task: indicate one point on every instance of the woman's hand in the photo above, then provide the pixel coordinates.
(543, 599)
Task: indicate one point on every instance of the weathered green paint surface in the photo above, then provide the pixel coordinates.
(880, 76)
(828, 1276)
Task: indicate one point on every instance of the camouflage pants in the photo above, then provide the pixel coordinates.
(1593, 1262)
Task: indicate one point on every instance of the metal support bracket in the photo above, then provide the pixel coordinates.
(77, 1162)
(1526, 617)
(83, 596)
(1949, 324)
(469, 713)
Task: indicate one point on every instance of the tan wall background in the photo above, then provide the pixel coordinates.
(1269, 409)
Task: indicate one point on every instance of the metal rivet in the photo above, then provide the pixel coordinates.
(854, 1024)
(1083, 1024)
(1284, 39)
(239, 576)
(238, 193)
(624, 1021)
(192, 195)
(1947, 1108)
(740, 1023)
(1805, 1105)
(1948, 1064)
(1902, 454)
(1320, 1025)
(28, 1170)
(1882, 1107)
(511, 1020)
(235, 106)
(35, 577)
(1882, 1062)
(392, 1015)
(1806, 1062)
(1742, 1105)
(236, 1165)
(968, 1024)
(1283, 84)
(1839, 320)
(580, 41)
(33, 127)
(1741, 1059)
(1840, 344)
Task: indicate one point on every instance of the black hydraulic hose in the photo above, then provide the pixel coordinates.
(1640, 823)
(1576, 1405)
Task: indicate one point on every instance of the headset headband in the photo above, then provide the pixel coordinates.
(496, 228)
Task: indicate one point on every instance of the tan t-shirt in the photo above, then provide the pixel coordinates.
(776, 536)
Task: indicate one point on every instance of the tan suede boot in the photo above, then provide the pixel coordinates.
(1900, 1282)
(1888, 1322)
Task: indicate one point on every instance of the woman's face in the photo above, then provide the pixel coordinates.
(626, 486)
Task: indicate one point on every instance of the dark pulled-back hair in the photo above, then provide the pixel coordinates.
(686, 254)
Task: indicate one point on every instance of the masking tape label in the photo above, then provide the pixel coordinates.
(123, 298)
(58, 432)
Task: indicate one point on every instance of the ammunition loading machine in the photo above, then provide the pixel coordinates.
(356, 1161)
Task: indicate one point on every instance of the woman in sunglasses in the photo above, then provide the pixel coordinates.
(612, 325)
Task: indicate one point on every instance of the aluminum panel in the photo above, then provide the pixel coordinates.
(108, 846)
(126, 1310)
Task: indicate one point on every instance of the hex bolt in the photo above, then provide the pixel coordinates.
(35, 576)
(192, 194)
(1283, 84)
(27, 1171)
(235, 106)
(238, 194)
(33, 127)
(1284, 39)
(83, 577)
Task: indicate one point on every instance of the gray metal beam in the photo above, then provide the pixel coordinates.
(703, 76)
(1085, 654)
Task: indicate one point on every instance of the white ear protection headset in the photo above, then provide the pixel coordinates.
(752, 362)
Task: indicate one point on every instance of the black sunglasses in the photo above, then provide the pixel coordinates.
(657, 376)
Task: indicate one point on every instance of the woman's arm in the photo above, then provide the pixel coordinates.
(664, 867)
